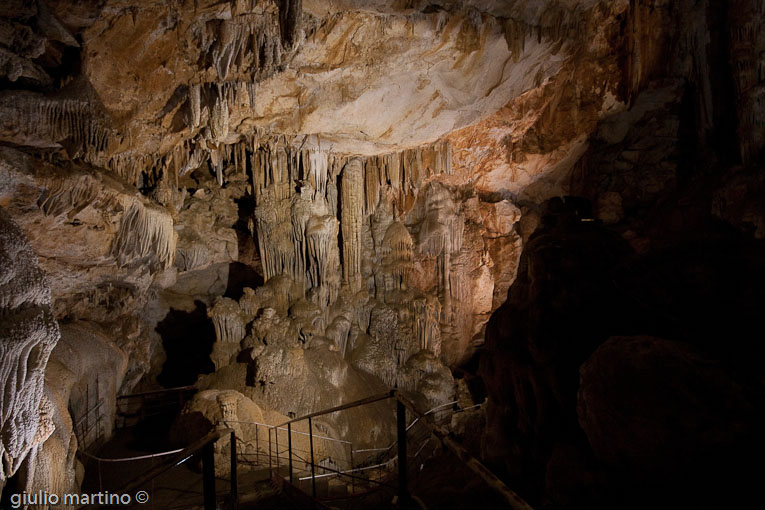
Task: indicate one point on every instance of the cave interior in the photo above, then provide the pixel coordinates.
(534, 228)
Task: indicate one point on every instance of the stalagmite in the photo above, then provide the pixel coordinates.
(339, 331)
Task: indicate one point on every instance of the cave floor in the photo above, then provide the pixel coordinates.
(177, 488)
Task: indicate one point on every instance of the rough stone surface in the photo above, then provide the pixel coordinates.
(28, 334)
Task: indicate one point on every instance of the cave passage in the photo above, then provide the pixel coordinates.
(187, 338)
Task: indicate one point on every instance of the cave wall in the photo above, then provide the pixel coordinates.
(28, 334)
(620, 370)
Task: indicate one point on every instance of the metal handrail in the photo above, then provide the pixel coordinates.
(205, 445)
(285, 429)
(128, 459)
(177, 389)
(357, 403)
(403, 404)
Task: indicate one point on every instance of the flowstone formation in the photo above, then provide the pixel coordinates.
(28, 333)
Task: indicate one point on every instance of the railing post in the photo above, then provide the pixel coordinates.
(234, 481)
(270, 469)
(276, 443)
(208, 476)
(289, 447)
(403, 493)
(313, 468)
(257, 444)
(350, 447)
(86, 428)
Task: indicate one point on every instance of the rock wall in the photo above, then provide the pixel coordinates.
(611, 341)
(28, 334)
(82, 378)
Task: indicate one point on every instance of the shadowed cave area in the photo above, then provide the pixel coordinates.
(187, 339)
(398, 255)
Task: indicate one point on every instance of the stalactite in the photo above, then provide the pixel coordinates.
(515, 35)
(226, 40)
(145, 232)
(301, 210)
(192, 257)
(195, 105)
(249, 303)
(219, 120)
(290, 12)
(426, 312)
(397, 250)
(371, 186)
(323, 262)
(228, 320)
(319, 164)
(62, 196)
(196, 157)
(352, 215)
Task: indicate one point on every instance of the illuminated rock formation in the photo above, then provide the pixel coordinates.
(27, 336)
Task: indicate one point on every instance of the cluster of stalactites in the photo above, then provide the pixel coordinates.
(297, 204)
(192, 257)
(72, 118)
(747, 48)
(68, 196)
(146, 235)
(73, 124)
(555, 25)
(397, 251)
(295, 213)
(147, 170)
(426, 312)
(404, 172)
(228, 319)
(248, 45)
